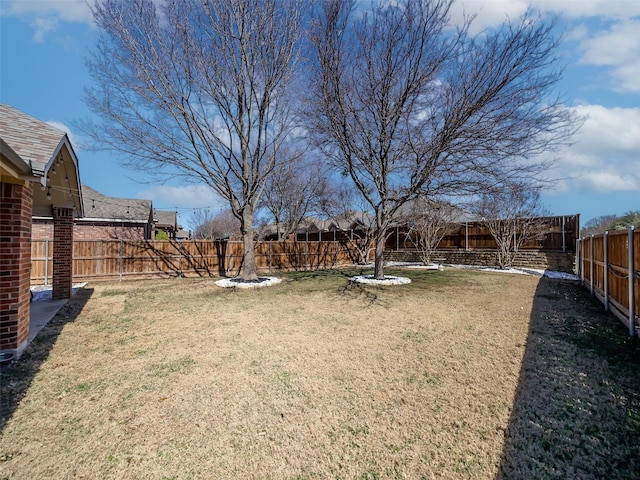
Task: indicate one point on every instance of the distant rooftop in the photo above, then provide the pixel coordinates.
(166, 219)
(97, 205)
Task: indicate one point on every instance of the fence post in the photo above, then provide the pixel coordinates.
(632, 307)
(180, 259)
(121, 261)
(605, 242)
(591, 266)
(564, 241)
(582, 259)
(46, 262)
(578, 251)
(466, 236)
(270, 243)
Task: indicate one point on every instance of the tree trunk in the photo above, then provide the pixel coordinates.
(378, 272)
(249, 271)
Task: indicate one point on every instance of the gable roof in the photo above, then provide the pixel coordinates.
(101, 207)
(18, 166)
(35, 141)
(165, 219)
(33, 148)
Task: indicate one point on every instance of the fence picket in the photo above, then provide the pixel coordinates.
(123, 259)
(616, 279)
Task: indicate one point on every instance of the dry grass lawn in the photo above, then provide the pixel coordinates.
(318, 378)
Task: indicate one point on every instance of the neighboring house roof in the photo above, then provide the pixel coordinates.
(101, 207)
(354, 220)
(165, 219)
(453, 213)
(182, 234)
(41, 148)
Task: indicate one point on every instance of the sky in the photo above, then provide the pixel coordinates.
(44, 43)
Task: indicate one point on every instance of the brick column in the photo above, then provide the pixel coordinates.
(15, 266)
(62, 252)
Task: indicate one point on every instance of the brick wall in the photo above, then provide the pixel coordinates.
(15, 266)
(43, 230)
(97, 231)
(62, 252)
(557, 261)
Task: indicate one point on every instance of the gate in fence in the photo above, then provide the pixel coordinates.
(609, 265)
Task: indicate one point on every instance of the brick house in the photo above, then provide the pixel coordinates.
(106, 218)
(39, 176)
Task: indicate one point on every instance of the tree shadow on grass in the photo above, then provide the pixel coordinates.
(577, 407)
(16, 377)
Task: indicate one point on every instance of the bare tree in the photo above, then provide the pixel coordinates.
(349, 217)
(514, 216)
(209, 226)
(198, 89)
(294, 191)
(199, 220)
(407, 107)
(429, 222)
(598, 225)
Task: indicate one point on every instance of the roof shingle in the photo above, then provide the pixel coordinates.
(99, 206)
(32, 139)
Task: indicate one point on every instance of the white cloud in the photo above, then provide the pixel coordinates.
(602, 181)
(45, 16)
(167, 197)
(605, 156)
(490, 13)
(619, 49)
(76, 140)
(609, 130)
(42, 26)
(65, 10)
(609, 9)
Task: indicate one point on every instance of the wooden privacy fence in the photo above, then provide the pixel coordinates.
(120, 259)
(609, 265)
(559, 235)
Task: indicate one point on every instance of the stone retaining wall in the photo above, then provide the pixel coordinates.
(558, 261)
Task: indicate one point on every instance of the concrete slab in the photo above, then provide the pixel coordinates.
(43, 309)
(41, 313)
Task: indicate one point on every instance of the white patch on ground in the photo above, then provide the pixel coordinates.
(238, 283)
(420, 266)
(517, 271)
(40, 293)
(388, 280)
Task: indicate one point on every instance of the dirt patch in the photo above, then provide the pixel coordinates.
(317, 377)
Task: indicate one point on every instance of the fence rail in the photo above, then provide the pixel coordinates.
(560, 235)
(120, 259)
(609, 265)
